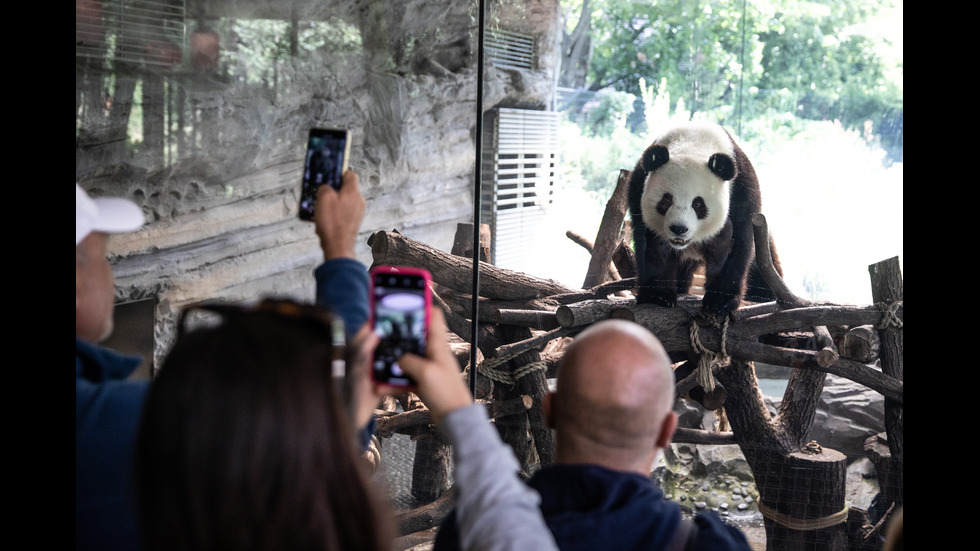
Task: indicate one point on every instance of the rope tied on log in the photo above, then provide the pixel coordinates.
(889, 317)
(705, 372)
(803, 524)
(488, 368)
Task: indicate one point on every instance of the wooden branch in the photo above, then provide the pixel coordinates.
(534, 342)
(535, 319)
(697, 436)
(454, 321)
(586, 312)
(763, 255)
(457, 272)
(427, 516)
(807, 317)
(608, 237)
(599, 291)
(462, 303)
(623, 257)
(408, 422)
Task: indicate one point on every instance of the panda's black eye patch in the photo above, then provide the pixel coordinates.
(664, 204)
(699, 208)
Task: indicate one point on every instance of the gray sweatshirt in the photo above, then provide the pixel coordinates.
(495, 510)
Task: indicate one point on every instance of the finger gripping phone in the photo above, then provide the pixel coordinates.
(327, 150)
(401, 306)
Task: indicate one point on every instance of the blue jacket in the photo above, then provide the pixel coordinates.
(588, 507)
(342, 286)
(107, 415)
(108, 409)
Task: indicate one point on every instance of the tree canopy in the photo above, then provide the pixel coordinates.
(817, 60)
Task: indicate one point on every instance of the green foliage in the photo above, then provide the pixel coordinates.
(776, 60)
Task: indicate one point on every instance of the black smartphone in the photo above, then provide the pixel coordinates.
(401, 306)
(327, 150)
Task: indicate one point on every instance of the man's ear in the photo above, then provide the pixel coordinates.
(667, 429)
(547, 409)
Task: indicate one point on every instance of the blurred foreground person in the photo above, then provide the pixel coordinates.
(245, 443)
(107, 402)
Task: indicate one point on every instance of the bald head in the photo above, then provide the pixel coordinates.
(613, 404)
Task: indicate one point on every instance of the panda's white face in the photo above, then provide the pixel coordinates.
(684, 202)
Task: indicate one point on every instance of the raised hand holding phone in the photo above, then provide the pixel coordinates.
(327, 151)
(437, 375)
(338, 217)
(401, 308)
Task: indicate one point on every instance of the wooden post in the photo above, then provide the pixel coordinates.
(463, 242)
(800, 495)
(887, 289)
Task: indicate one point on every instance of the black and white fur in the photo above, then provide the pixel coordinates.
(691, 197)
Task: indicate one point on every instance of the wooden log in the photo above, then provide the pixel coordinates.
(861, 344)
(585, 312)
(608, 237)
(535, 319)
(457, 272)
(697, 436)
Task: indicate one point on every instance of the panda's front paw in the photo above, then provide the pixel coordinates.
(657, 297)
(720, 304)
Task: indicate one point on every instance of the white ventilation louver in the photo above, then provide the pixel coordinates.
(519, 179)
(509, 50)
(130, 31)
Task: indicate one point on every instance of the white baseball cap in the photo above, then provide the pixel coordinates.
(105, 214)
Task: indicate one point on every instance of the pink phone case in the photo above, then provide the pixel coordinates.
(379, 372)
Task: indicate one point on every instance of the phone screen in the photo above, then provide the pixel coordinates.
(327, 150)
(401, 303)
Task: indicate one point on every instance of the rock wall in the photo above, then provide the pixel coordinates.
(214, 154)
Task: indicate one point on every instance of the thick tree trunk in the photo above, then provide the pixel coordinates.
(802, 499)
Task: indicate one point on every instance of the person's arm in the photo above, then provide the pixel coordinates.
(342, 285)
(341, 281)
(495, 510)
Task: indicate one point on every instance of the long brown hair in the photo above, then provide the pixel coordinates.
(244, 446)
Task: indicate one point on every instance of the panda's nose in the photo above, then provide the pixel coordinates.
(678, 229)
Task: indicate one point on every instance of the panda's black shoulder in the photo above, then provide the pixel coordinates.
(746, 192)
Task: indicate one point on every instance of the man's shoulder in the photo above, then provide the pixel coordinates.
(103, 390)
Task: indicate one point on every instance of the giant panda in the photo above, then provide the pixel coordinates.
(691, 198)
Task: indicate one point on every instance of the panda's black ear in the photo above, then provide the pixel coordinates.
(655, 157)
(723, 166)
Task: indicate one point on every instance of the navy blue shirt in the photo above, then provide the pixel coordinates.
(107, 416)
(589, 507)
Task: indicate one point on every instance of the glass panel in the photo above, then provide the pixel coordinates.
(200, 112)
